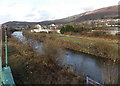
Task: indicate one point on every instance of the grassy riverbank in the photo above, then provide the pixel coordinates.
(29, 67)
(95, 39)
(99, 49)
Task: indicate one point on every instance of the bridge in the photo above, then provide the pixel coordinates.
(6, 78)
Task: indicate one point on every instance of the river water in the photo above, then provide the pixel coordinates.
(100, 70)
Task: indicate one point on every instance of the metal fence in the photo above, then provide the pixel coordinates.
(89, 81)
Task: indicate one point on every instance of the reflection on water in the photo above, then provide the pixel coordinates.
(34, 44)
(83, 64)
(99, 70)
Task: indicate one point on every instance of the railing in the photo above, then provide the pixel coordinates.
(6, 78)
(89, 81)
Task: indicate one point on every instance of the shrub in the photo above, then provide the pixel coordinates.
(98, 34)
(81, 29)
(67, 28)
(51, 50)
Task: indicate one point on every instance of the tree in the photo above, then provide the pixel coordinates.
(67, 28)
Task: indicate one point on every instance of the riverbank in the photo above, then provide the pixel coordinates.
(29, 67)
(99, 49)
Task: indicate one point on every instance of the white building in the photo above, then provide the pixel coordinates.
(39, 29)
(38, 26)
(52, 25)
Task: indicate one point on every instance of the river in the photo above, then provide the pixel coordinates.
(100, 70)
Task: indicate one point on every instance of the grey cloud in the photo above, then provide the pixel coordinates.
(44, 15)
(29, 15)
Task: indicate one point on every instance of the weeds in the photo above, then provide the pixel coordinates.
(52, 50)
(29, 67)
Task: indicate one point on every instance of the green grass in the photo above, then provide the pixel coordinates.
(76, 41)
(90, 41)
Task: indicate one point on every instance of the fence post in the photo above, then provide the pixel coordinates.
(86, 80)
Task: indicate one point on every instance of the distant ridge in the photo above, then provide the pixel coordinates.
(19, 23)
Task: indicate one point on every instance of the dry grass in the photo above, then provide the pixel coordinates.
(29, 67)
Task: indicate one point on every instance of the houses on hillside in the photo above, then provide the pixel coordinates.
(99, 23)
(50, 28)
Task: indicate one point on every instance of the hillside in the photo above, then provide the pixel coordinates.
(102, 13)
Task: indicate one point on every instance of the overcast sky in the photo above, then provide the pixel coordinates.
(40, 10)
